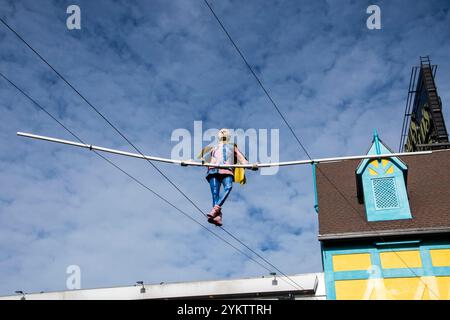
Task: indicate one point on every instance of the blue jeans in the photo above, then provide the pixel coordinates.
(214, 182)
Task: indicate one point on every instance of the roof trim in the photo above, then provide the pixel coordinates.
(384, 149)
(370, 234)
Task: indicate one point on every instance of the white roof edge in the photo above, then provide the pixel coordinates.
(312, 284)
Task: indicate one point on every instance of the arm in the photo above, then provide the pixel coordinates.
(240, 158)
(205, 154)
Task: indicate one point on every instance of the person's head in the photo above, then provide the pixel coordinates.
(224, 135)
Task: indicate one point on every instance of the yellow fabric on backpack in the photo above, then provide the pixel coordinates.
(239, 175)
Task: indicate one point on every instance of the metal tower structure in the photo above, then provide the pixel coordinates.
(423, 123)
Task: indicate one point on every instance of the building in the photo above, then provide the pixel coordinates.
(304, 286)
(384, 226)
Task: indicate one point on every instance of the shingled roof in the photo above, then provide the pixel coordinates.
(428, 190)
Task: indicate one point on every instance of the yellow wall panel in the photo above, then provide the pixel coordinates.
(401, 288)
(425, 288)
(444, 287)
(349, 262)
(350, 289)
(440, 257)
(400, 259)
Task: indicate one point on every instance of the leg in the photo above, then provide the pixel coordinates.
(227, 182)
(214, 184)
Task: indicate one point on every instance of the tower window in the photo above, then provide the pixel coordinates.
(385, 193)
(381, 185)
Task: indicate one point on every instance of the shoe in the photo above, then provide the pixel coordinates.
(215, 211)
(218, 220)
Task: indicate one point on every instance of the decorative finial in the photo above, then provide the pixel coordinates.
(376, 139)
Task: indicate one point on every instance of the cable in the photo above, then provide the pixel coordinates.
(138, 150)
(93, 107)
(256, 78)
(295, 136)
(128, 174)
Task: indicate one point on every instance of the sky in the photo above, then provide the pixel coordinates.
(152, 67)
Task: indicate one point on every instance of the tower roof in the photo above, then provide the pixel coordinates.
(377, 147)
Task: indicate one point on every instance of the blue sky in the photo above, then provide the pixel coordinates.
(154, 66)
